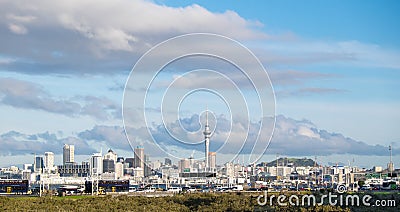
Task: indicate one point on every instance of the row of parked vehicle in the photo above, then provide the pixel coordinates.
(188, 189)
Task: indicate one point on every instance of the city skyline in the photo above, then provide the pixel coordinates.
(334, 68)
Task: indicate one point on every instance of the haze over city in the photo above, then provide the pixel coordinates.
(334, 69)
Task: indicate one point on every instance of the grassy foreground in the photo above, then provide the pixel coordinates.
(182, 202)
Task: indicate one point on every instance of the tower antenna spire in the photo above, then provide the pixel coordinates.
(206, 115)
(207, 135)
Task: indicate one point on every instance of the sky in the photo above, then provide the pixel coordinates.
(333, 70)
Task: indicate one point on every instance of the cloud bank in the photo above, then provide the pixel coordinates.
(27, 95)
(291, 137)
(101, 40)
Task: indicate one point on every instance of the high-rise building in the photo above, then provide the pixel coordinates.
(28, 166)
(39, 165)
(212, 156)
(74, 170)
(119, 170)
(184, 165)
(147, 167)
(139, 157)
(168, 162)
(68, 153)
(48, 160)
(108, 166)
(96, 164)
(111, 155)
(130, 162)
(207, 135)
(156, 164)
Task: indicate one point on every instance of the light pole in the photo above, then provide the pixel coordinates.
(390, 163)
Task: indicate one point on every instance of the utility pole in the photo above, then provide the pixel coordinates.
(390, 163)
(277, 164)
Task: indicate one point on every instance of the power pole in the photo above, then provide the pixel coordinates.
(390, 163)
(277, 164)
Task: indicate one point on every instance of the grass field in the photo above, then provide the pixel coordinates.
(180, 202)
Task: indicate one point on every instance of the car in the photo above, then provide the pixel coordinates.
(253, 189)
(206, 190)
(150, 189)
(174, 189)
(366, 187)
(192, 189)
(237, 188)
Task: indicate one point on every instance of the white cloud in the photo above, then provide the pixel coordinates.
(17, 29)
(291, 137)
(28, 95)
(119, 25)
(103, 36)
(20, 18)
(353, 52)
(22, 144)
(6, 60)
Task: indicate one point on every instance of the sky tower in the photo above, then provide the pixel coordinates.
(207, 135)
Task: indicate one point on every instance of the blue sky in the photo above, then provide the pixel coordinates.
(374, 21)
(334, 66)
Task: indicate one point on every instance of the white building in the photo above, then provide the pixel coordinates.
(138, 172)
(184, 165)
(68, 153)
(119, 170)
(156, 164)
(284, 171)
(49, 161)
(139, 157)
(377, 169)
(27, 166)
(111, 155)
(96, 164)
(212, 160)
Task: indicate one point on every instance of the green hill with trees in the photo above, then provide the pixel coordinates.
(290, 162)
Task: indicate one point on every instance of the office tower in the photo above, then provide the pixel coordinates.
(212, 156)
(207, 135)
(130, 161)
(168, 162)
(68, 153)
(156, 164)
(184, 165)
(111, 155)
(48, 160)
(28, 166)
(74, 170)
(96, 164)
(119, 170)
(147, 168)
(139, 157)
(108, 166)
(38, 167)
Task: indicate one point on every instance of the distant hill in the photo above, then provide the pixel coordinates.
(290, 162)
